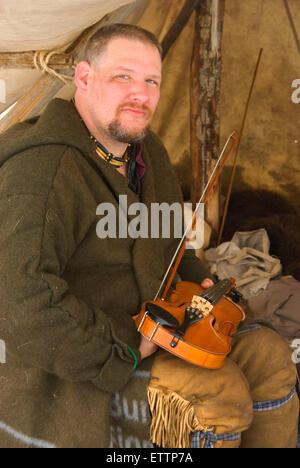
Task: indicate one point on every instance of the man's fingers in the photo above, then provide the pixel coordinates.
(207, 283)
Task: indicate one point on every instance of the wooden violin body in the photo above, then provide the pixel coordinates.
(189, 326)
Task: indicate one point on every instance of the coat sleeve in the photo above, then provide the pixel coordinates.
(42, 323)
(192, 269)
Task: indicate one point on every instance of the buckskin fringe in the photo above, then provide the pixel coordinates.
(173, 419)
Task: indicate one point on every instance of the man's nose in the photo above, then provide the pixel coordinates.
(140, 92)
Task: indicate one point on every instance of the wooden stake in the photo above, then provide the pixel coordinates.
(205, 103)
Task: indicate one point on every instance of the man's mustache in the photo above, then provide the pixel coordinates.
(134, 105)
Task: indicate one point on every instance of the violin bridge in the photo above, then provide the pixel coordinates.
(201, 304)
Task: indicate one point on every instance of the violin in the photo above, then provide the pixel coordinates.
(193, 323)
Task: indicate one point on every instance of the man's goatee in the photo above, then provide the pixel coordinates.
(124, 135)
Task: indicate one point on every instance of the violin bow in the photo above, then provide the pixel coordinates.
(189, 230)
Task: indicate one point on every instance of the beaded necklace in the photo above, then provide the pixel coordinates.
(109, 157)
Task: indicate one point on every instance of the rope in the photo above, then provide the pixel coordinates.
(41, 61)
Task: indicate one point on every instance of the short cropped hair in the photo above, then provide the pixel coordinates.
(103, 36)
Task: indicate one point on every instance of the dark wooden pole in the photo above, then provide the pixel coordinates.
(206, 70)
(179, 24)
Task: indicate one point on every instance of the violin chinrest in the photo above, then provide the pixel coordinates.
(158, 314)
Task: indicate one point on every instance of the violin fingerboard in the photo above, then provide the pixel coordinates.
(217, 291)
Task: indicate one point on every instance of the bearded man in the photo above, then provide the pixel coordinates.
(77, 373)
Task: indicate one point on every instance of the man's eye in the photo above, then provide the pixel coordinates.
(152, 82)
(123, 77)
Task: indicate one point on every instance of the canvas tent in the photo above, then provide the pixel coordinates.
(207, 74)
(231, 34)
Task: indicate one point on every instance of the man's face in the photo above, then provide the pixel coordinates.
(124, 89)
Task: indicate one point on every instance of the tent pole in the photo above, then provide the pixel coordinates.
(206, 67)
(178, 25)
(23, 60)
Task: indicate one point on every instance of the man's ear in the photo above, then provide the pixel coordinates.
(82, 74)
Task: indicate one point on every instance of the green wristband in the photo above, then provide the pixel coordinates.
(135, 358)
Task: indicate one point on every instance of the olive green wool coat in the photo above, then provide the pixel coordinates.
(67, 297)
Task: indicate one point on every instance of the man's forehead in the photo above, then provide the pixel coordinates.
(117, 42)
(122, 48)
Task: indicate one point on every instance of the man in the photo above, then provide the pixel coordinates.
(119, 111)
(77, 371)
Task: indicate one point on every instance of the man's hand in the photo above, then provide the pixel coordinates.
(147, 347)
(207, 283)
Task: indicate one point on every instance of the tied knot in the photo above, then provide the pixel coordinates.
(41, 62)
(210, 438)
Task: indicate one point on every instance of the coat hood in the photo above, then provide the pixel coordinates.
(51, 128)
